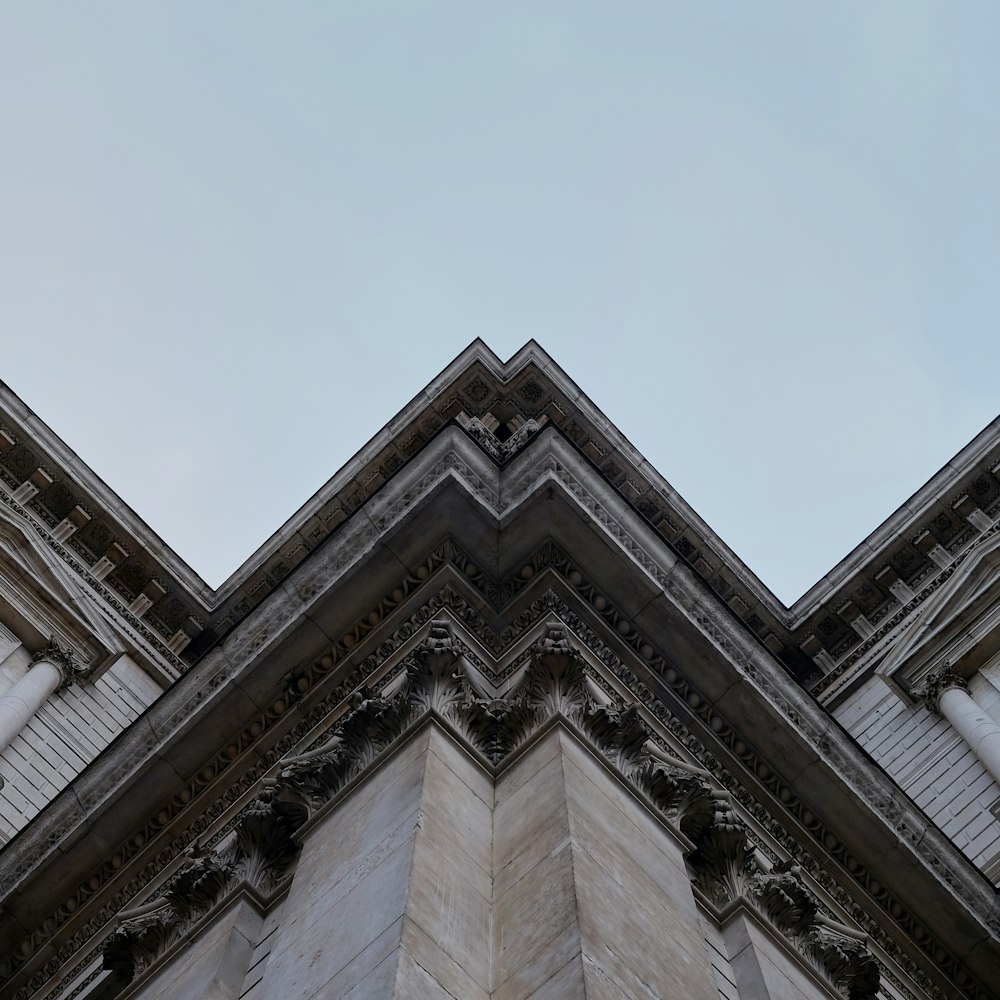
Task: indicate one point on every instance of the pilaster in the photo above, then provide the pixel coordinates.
(392, 893)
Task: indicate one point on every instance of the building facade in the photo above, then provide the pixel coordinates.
(494, 716)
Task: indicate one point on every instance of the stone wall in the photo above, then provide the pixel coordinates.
(391, 895)
(591, 895)
(213, 966)
(932, 763)
(68, 732)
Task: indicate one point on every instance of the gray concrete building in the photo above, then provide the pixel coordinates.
(495, 716)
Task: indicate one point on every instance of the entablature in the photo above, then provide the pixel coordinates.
(459, 538)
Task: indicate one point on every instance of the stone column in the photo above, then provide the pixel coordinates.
(948, 693)
(49, 670)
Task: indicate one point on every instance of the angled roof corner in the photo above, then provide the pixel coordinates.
(48, 597)
(821, 630)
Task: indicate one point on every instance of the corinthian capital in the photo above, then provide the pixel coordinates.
(937, 683)
(63, 659)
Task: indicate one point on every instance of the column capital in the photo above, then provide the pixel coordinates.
(936, 683)
(63, 660)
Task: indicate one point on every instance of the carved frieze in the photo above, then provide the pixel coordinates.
(555, 683)
(435, 682)
(140, 939)
(491, 713)
(484, 433)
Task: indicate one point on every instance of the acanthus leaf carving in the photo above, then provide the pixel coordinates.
(199, 882)
(436, 680)
(783, 898)
(619, 732)
(371, 725)
(724, 857)
(471, 617)
(729, 869)
(555, 682)
(140, 939)
(842, 954)
(265, 847)
(499, 725)
(936, 683)
(260, 851)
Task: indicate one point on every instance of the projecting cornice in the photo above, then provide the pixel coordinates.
(501, 405)
(486, 542)
(958, 625)
(47, 598)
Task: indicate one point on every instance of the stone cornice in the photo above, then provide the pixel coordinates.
(532, 387)
(255, 859)
(728, 872)
(906, 635)
(555, 465)
(105, 614)
(550, 470)
(977, 458)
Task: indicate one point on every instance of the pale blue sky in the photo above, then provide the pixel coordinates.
(237, 237)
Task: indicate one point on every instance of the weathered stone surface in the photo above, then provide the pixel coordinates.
(351, 885)
(566, 984)
(630, 888)
(393, 875)
(583, 871)
(508, 565)
(213, 967)
(762, 970)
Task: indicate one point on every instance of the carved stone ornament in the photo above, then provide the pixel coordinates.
(729, 869)
(141, 937)
(501, 450)
(257, 855)
(63, 658)
(554, 684)
(937, 683)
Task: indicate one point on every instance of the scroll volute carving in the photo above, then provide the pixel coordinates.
(936, 683)
(554, 682)
(265, 846)
(140, 939)
(371, 725)
(724, 857)
(783, 898)
(435, 679)
(842, 955)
